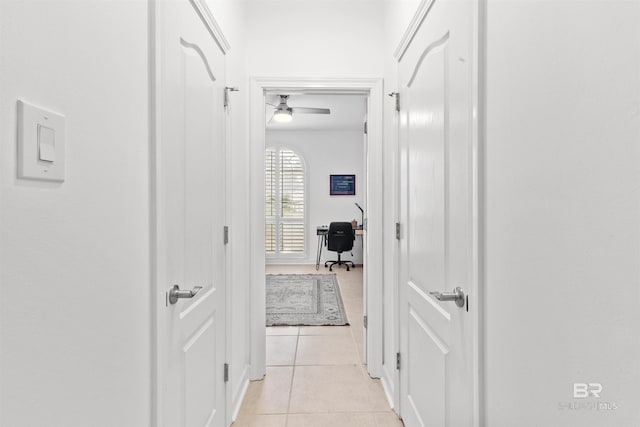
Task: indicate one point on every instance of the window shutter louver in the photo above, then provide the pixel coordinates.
(285, 202)
(270, 201)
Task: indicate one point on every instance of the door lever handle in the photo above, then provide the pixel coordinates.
(457, 295)
(176, 293)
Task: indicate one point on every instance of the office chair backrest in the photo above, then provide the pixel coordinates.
(340, 237)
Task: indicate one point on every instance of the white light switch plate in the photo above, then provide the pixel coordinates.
(41, 143)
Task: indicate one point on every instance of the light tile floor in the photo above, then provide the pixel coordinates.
(315, 374)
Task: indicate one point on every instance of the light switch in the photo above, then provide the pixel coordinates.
(41, 143)
(46, 144)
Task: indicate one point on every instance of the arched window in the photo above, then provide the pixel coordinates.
(285, 203)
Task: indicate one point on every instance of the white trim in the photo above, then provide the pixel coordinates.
(257, 342)
(389, 390)
(395, 137)
(228, 248)
(212, 25)
(374, 305)
(157, 356)
(238, 395)
(413, 28)
(371, 86)
(478, 162)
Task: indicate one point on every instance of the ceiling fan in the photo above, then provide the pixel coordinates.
(283, 113)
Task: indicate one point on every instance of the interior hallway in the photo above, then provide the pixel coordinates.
(315, 375)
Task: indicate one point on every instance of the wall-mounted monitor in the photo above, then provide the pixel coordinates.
(342, 185)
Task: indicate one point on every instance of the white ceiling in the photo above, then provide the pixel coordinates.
(347, 112)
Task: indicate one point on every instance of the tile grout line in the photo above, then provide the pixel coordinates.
(293, 373)
(348, 285)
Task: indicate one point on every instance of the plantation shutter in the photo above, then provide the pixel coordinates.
(285, 203)
(270, 201)
(292, 206)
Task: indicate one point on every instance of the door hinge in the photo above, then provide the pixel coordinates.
(228, 89)
(226, 234)
(397, 231)
(365, 321)
(396, 95)
(366, 128)
(398, 361)
(226, 372)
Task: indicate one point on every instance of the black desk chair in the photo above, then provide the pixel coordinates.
(340, 239)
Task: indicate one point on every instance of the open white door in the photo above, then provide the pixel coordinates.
(365, 248)
(437, 376)
(190, 212)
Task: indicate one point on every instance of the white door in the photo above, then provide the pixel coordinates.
(190, 214)
(437, 219)
(363, 241)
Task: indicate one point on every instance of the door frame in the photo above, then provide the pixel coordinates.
(157, 245)
(476, 292)
(372, 88)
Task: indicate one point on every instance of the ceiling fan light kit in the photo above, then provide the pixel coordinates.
(282, 116)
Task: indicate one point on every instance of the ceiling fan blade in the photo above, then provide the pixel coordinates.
(304, 110)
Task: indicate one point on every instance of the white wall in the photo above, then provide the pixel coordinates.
(562, 241)
(315, 38)
(326, 153)
(74, 257)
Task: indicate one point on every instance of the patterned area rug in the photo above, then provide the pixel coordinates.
(304, 300)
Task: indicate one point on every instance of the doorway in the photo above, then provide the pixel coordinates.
(323, 140)
(372, 247)
(292, 342)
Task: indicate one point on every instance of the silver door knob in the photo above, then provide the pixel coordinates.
(457, 295)
(175, 293)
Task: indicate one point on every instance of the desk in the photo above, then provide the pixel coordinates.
(321, 232)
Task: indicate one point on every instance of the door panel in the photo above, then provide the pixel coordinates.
(199, 373)
(425, 398)
(191, 217)
(437, 210)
